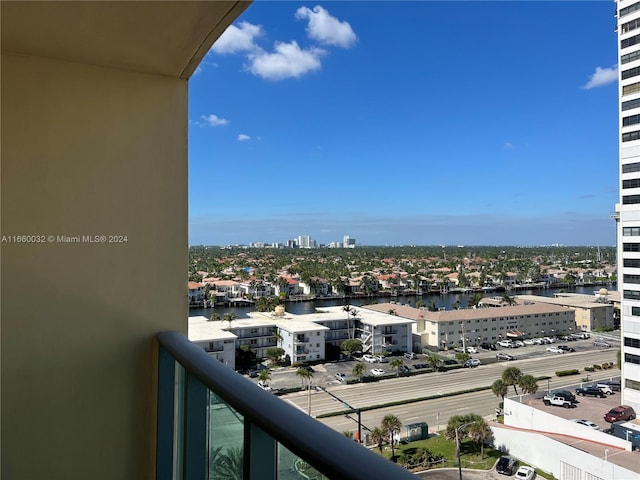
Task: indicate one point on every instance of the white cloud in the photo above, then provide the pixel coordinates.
(326, 29)
(288, 60)
(212, 121)
(243, 138)
(602, 76)
(508, 146)
(235, 39)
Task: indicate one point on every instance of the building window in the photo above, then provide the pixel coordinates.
(631, 167)
(630, 358)
(630, 199)
(629, 89)
(627, 42)
(632, 384)
(630, 26)
(630, 104)
(632, 72)
(631, 294)
(631, 278)
(632, 342)
(630, 120)
(631, 136)
(631, 247)
(635, 311)
(631, 183)
(627, 10)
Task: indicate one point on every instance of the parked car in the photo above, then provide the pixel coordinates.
(554, 350)
(525, 473)
(590, 392)
(409, 355)
(341, 377)
(504, 356)
(620, 413)
(601, 343)
(420, 365)
(549, 339)
(382, 359)
(472, 350)
(264, 385)
(506, 465)
(566, 394)
(586, 423)
(488, 346)
(506, 343)
(450, 362)
(377, 372)
(615, 386)
(604, 388)
(558, 401)
(403, 369)
(566, 348)
(369, 358)
(519, 343)
(529, 341)
(472, 362)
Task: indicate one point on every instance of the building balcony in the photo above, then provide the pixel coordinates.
(212, 420)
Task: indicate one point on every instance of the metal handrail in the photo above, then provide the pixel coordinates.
(330, 452)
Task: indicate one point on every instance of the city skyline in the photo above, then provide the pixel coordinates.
(442, 130)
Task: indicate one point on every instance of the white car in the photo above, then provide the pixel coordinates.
(525, 473)
(341, 377)
(529, 341)
(554, 350)
(505, 343)
(519, 343)
(381, 359)
(472, 350)
(604, 388)
(377, 372)
(549, 339)
(264, 385)
(472, 362)
(586, 423)
(369, 358)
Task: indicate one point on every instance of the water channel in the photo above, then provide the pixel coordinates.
(442, 301)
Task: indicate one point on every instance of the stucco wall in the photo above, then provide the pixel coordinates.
(88, 151)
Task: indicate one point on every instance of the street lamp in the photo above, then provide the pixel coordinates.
(357, 410)
(460, 427)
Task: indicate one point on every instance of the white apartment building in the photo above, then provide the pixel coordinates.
(628, 28)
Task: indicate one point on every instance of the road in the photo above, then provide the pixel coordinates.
(436, 412)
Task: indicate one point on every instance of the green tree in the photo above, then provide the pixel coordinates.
(462, 357)
(391, 425)
(475, 299)
(229, 317)
(499, 388)
(351, 346)
(528, 384)
(305, 376)
(479, 432)
(396, 363)
(508, 299)
(511, 376)
(433, 359)
(419, 304)
(433, 306)
(214, 317)
(358, 370)
(264, 375)
(274, 354)
(378, 437)
(227, 464)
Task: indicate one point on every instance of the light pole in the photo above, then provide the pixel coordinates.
(357, 410)
(460, 427)
(548, 385)
(438, 421)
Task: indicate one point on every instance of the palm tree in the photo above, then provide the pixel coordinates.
(378, 437)
(347, 309)
(396, 363)
(499, 388)
(390, 426)
(358, 370)
(433, 359)
(475, 299)
(264, 375)
(214, 317)
(227, 465)
(479, 432)
(433, 307)
(354, 314)
(511, 376)
(229, 317)
(306, 376)
(528, 384)
(508, 299)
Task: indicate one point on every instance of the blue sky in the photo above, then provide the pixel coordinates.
(407, 123)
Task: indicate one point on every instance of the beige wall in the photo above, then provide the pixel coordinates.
(88, 151)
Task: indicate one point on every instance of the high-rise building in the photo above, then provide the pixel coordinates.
(628, 28)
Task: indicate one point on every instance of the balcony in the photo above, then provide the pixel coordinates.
(212, 421)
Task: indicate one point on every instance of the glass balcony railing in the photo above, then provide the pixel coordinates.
(214, 424)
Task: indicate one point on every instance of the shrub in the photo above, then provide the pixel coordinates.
(589, 369)
(597, 367)
(565, 373)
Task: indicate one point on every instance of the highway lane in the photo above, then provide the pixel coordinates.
(405, 388)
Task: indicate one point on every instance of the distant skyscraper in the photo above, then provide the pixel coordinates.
(628, 214)
(348, 242)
